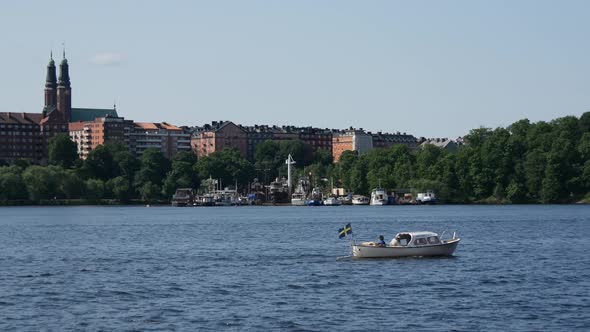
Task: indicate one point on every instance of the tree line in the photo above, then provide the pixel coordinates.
(542, 162)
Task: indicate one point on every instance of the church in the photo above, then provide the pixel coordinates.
(25, 135)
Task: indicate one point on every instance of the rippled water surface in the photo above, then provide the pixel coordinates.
(276, 268)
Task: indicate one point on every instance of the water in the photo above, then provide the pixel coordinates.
(276, 268)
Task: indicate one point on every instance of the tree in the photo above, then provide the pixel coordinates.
(11, 184)
(62, 151)
(181, 175)
(43, 182)
(154, 167)
(95, 189)
(72, 186)
(121, 188)
(99, 164)
(228, 165)
(149, 191)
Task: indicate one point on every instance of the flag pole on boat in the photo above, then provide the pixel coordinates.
(344, 232)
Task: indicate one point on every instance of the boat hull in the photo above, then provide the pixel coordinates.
(298, 202)
(365, 251)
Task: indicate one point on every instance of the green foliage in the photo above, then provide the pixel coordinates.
(95, 189)
(149, 191)
(270, 156)
(182, 174)
(72, 185)
(11, 184)
(153, 169)
(43, 182)
(227, 165)
(62, 150)
(121, 188)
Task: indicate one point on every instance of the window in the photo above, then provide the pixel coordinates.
(433, 240)
(420, 242)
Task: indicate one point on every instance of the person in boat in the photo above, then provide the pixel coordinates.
(381, 241)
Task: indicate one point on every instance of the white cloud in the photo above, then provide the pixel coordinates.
(108, 59)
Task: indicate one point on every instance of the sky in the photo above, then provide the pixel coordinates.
(428, 68)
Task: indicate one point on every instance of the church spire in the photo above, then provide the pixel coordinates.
(64, 72)
(50, 85)
(64, 90)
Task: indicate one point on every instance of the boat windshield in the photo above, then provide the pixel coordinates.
(433, 240)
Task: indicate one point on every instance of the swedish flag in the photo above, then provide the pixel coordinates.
(342, 232)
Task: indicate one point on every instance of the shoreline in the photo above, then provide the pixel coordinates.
(112, 202)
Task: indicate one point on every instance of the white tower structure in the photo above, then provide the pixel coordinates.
(289, 162)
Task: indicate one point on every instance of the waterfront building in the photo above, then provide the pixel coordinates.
(350, 140)
(217, 136)
(90, 134)
(167, 138)
(20, 136)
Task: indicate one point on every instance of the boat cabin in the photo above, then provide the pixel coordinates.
(415, 239)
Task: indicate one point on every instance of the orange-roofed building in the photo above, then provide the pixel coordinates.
(90, 134)
(167, 138)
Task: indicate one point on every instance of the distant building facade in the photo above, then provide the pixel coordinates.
(386, 140)
(167, 138)
(443, 143)
(21, 137)
(318, 139)
(90, 134)
(217, 136)
(350, 140)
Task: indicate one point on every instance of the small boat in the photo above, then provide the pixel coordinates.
(298, 199)
(316, 198)
(332, 201)
(426, 198)
(360, 200)
(408, 244)
(379, 197)
(345, 200)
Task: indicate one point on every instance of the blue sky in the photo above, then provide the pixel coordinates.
(430, 68)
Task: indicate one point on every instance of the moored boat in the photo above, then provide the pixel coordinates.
(408, 244)
(379, 197)
(298, 199)
(360, 200)
(426, 198)
(332, 201)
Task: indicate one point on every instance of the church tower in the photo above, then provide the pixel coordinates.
(64, 90)
(50, 86)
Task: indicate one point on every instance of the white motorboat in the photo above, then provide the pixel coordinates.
(379, 197)
(298, 199)
(332, 201)
(426, 198)
(360, 200)
(408, 244)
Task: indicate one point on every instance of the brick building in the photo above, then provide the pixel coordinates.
(20, 136)
(217, 136)
(350, 140)
(318, 139)
(90, 134)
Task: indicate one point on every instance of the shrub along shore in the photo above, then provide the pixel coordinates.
(542, 162)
